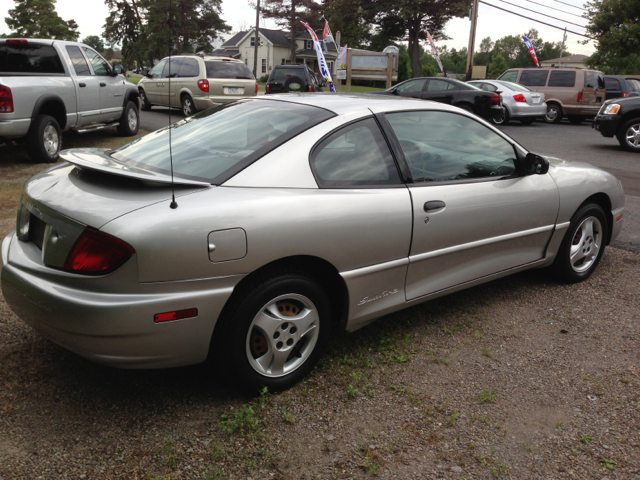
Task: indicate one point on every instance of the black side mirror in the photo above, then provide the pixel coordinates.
(536, 164)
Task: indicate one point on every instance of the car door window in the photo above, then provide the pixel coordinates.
(189, 68)
(433, 146)
(439, 86)
(356, 155)
(509, 76)
(173, 66)
(533, 78)
(412, 86)
(100, 66)
(156, 72)
(80, 64)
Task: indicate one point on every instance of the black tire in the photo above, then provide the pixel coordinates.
(129, 121)
(238, 345)
(145, 105)
(629, 135)
(573, 272)
(553, 113)
(188, 107)
(502, 120)
(575, 119)
(527, 121)
(294, 84)
(44, 140)
(466, 107)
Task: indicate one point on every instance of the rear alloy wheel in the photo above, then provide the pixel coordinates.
(145, 105)
(129, 121)
(44, 140)
(188, 108)
(553, 114)
(276, 334)
(629, 135)
(583, 244)
(502, 119)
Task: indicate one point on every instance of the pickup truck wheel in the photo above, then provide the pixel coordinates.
(629, 135)
(144, 102)
(129, 121)
(44, 140)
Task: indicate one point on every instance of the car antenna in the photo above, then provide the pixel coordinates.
(173, 205)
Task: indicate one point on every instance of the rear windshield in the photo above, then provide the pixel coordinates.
(29, 58)
(281, 74)
(514, 86)
(634, 85)
(228, 70)
(612, 83)
(215, 144)
(593, 79)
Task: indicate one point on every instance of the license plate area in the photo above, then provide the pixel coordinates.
(234, 90)
(36, 231)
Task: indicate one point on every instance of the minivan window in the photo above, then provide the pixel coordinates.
(509, 76)
(29, 58)
(533, 78)
(189, 68)
(228, 70)
(173, 66)
(593, 79)
(562, 79)
(215, 144)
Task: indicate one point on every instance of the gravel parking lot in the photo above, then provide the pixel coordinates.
(519, 378)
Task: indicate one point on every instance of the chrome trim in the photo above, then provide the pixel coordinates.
(479, 243)
(379, 267)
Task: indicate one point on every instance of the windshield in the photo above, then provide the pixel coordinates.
(225, 69)
(216, 144)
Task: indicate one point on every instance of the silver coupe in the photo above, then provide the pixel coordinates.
(294, 217)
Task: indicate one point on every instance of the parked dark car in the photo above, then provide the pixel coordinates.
(293, 78)
(621, 87)
(621, 117)
(454, 92)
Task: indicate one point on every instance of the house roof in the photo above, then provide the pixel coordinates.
(280, 38)
(568, 59)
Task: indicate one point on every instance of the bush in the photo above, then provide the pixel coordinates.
(263, 79)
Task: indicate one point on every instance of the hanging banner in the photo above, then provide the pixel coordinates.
(322, 63)
(434, 52)
(342, 57)
(327, 36)
(532, 50)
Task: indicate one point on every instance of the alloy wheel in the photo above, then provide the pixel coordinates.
(51, 140)
(187, 106)
(282, 335)
(633, 135)
(132, 119)
(586, 244)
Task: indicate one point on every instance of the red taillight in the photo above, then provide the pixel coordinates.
(544, 97)
(267, 88)
(178, 315)
(520, 98)
(495, 98)
(625, 94)
(6, 100)
(17, 41)
(579, 97)
(96, 253)
(310, 88)
(256, 88)
(203, 85)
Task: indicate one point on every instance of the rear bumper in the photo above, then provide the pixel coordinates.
(14, 128)
(106, 324)
(607, 125)
(527, 111)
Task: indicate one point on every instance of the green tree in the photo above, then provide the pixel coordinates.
(615, 25)
(352, 21)
(95, 42)
(498, 65)
(39, 19)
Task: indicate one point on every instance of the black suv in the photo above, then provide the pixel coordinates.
(293, 78)
(621, 117)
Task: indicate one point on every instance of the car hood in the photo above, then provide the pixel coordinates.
(95, 195)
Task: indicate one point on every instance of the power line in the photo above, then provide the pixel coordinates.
(534, 20)
(579, 8)
(543, 14)
(556, 9)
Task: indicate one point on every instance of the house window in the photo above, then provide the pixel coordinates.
(283, 61)
(246, 61)
(330, 67)
(308, 44)
(253, 41)
(264, 65)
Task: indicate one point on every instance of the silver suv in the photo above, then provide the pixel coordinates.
(197, 83)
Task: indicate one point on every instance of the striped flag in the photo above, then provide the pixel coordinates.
(434, 52)
(532, 50)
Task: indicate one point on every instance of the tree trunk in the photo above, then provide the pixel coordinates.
(294, 29)
(413, 49)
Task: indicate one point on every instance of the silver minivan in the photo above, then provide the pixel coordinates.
(197, 83)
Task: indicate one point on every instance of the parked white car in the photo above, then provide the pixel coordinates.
(519, 102)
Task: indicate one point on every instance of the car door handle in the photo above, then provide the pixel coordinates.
(82, 84)
(434, 205)
(103, 84)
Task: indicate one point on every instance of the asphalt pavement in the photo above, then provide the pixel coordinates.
(577, 143)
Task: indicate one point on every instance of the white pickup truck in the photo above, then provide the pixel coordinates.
(50, 86)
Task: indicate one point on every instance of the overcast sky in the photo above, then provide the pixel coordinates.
(90, 16)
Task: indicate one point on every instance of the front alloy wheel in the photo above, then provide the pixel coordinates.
(629, 135)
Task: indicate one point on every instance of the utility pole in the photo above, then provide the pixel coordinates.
(472, 38)
(564, 39)
(257, 42)
(336, 81)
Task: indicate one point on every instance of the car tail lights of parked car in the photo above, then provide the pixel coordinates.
(579, 97)
(625, 94)
(267, 88)
(6, 100)
(203, 85)
(520, 98)
(256, 88)
(17, 41)
(96, 253)
(310, 88)
(495, 98)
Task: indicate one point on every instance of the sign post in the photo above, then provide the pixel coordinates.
(366, 65)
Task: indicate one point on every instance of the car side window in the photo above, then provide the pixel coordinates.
(487, 87)
(412, 86)
(533, 78)
(432, 146)
(509, 76)
(561, 78)
(80, 64)
(355, 155)
(439, 86)
(173, 66)
(156, 72)
(189, 68)
(100, 66)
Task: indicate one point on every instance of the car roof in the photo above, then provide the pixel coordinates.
(342, 103)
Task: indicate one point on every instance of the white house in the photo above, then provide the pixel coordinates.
(275, 49)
